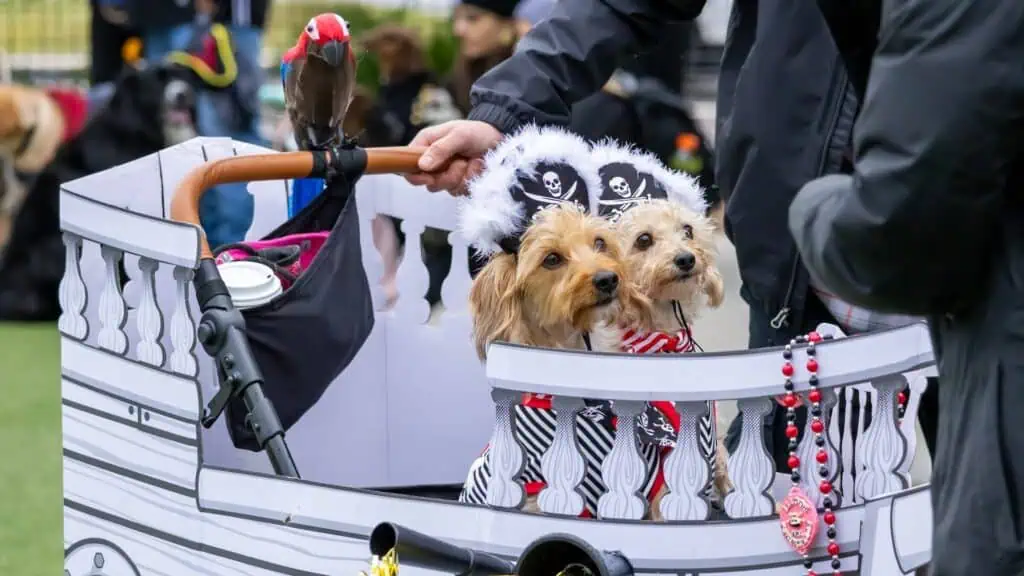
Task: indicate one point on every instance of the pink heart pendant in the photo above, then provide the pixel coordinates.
(799, 520)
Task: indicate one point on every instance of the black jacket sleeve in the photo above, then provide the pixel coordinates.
(570, 56)
(913, 229)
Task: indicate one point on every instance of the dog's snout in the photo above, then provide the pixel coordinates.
(685, 261)
(606, 282)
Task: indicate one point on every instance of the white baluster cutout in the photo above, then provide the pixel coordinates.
(72, 293)
(148, 319)
(881, 448)
(751, 468)
(183, 330)
(112, 310)
(687, 471)
(562, 464)
(807, 451)
(506, 455)
(623, 470)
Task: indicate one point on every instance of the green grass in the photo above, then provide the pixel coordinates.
(31, 541)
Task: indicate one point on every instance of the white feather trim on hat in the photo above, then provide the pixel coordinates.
(490, 213)
(681, 188)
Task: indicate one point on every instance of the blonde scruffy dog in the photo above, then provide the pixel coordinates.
(554, 269)
(670, 251)
(568, 276)
(671, 259)
(671, 254)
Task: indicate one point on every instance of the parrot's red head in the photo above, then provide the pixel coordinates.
(326, 37)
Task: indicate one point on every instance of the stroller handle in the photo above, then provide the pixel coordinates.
(317, 164)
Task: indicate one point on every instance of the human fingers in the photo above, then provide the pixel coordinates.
(420, 179)
(473, 169)
(451, 178)
(441, 151)
(430, 134)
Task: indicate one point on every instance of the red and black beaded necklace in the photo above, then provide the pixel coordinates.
(798, 514)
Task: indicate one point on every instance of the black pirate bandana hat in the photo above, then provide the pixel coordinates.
(630, 177)
(537, 168)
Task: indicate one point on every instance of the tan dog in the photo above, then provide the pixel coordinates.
(568, 276)
(672, 261)
(31, 128)
(671, 255)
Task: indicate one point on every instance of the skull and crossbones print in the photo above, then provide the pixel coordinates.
(623, 187)
(551, 184)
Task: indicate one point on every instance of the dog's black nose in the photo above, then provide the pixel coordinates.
(606, 282)
(182, 99)
(686, 261)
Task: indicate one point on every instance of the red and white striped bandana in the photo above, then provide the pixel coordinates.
(636, 342)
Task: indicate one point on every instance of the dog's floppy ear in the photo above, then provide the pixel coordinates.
(637, 308)
(714, 287)
(493, 303)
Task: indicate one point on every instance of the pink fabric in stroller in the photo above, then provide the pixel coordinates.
(309, 245)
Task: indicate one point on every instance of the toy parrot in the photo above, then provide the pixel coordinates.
(318, 74)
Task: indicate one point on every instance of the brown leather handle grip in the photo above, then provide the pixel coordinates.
(185, 202)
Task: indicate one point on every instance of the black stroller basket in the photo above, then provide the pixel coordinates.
(551, 555)
(248, 345)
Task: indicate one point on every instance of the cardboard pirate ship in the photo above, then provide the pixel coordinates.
(149, 491)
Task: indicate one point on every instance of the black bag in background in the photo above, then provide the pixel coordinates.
(645, 112)
(669, 131)
(303, 339)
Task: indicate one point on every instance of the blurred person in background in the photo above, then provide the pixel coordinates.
(409, 98)
(113, 43)
(487, 31)
(224, 107)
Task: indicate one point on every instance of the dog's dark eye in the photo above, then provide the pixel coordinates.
(643, 241)
(552, 261)
(688, 231)
(600, 245)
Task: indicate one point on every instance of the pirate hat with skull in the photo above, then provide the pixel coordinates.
(630, 177)
(535, 169)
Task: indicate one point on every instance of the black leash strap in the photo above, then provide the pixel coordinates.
(677, 309)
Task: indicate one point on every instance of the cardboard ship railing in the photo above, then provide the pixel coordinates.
(148, 491)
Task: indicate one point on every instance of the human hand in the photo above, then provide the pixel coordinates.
(454, 154)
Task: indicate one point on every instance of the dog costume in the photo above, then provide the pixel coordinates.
(536, 169)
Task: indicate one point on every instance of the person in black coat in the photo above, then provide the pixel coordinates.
(931, 223)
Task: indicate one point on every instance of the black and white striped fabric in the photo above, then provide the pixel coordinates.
(534, 430)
